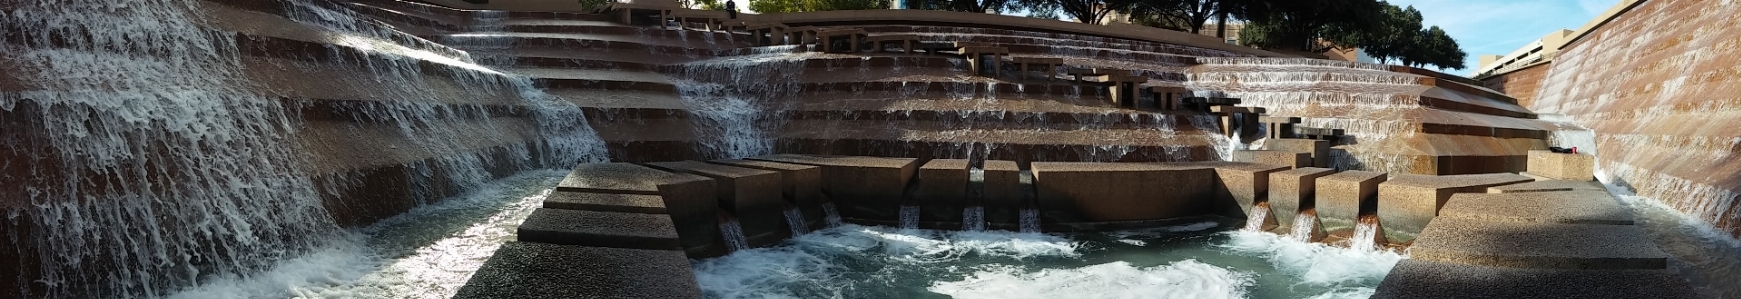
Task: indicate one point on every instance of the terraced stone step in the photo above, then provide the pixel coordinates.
(1419, 279)
(538, 270)
(600, 229)
(689, 199)
(1537, 245)
(606, 202)
(1542, 185)
(1571, 207)
(1408, 202)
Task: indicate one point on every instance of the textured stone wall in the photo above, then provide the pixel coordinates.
(1658, 85)
(1519, 84)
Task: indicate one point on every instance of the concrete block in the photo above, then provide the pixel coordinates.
(1573, 207)
(1291, 159)
(600, 229)
(753, 195)
(861, 187)
(1125, 191)
(1346, 195)
(1537, 245)
(1245, 184)
(801, 185)
(1318, 149)
(606, 202)
(941, 190)
(689, 199)
(1003, 183)
(1571, 167)
(1548, 186)
(1407, 202)
(1415, 279)
(1294, 191)
(537, 270)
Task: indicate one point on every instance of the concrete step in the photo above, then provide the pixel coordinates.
(537, 270)
(606, 202)
(1548, 186)
(600, 229)
(1571, 207)
(1414, 278)
(1537, 245)
(1408, 202)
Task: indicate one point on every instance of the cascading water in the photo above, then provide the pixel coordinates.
(731, 95)
(973, 218)
(1029, 220)
(167, 169)
(795, 221)
(1255, 220)
(1304, 225)
(733, 235)
(831, 214)
(909, 217)
(1364, 235)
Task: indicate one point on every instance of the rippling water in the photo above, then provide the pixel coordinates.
(1192, 261)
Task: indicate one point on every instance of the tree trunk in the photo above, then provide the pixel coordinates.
(1221, 26)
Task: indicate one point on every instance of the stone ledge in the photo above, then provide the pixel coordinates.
(1570, 207)
(1538, 245)
(1318, 150)
(1548, 185)
(1407, 202)
(536, 270)
(1423, 279)
(606, 202)
(752, 195)
(1571, 167)
(1289, 158)
(864, 187)
(600, 229)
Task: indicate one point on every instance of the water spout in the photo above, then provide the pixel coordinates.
(909, 217)
(1030, 220)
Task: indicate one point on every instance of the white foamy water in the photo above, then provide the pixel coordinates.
(1185, 279)
(428, 252)
(1185, 261)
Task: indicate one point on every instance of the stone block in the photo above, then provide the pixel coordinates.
(1548, 186)
(752, 195)
(1573, 207)
(1291, 159)
(606, 202)
(1416, 279)
(1346, 195)
(600, 229)
(861, 187)
(537, 270)
(1571, 167)
(1537, 245)
(689, 199)
(1319, 150)
(1245, 184)
(1125, 191)
(1005, 194)
(1293, 191)
(941, 190)
(1407, 202)
(801, 185)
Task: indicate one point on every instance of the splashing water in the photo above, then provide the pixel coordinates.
(733, 235)
(1255, 220)
(831, 214)
(1364, 238)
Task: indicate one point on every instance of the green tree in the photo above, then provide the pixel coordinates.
(1181, 15)
(825, 5)
(1399, 29)
(1090, 11)
(776, 6)
(1441, 50)
(1301, 24)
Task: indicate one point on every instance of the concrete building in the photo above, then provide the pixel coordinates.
(1539, 51)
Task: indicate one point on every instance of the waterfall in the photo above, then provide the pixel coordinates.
(733, 235)
(831, 214)
(730, 95)
(1030, 220)
(1254, 220)
(909, 217)
(1365, 234)
(973, 218)
(795, 220)
(1304, 225)
(161, 167)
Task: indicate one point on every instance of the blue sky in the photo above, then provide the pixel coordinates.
(1499, 26)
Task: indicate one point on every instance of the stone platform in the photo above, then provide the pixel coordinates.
(1413, 278)
(537, 270)
(1407, 202)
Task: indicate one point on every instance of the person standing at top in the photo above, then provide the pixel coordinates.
(731, 9)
